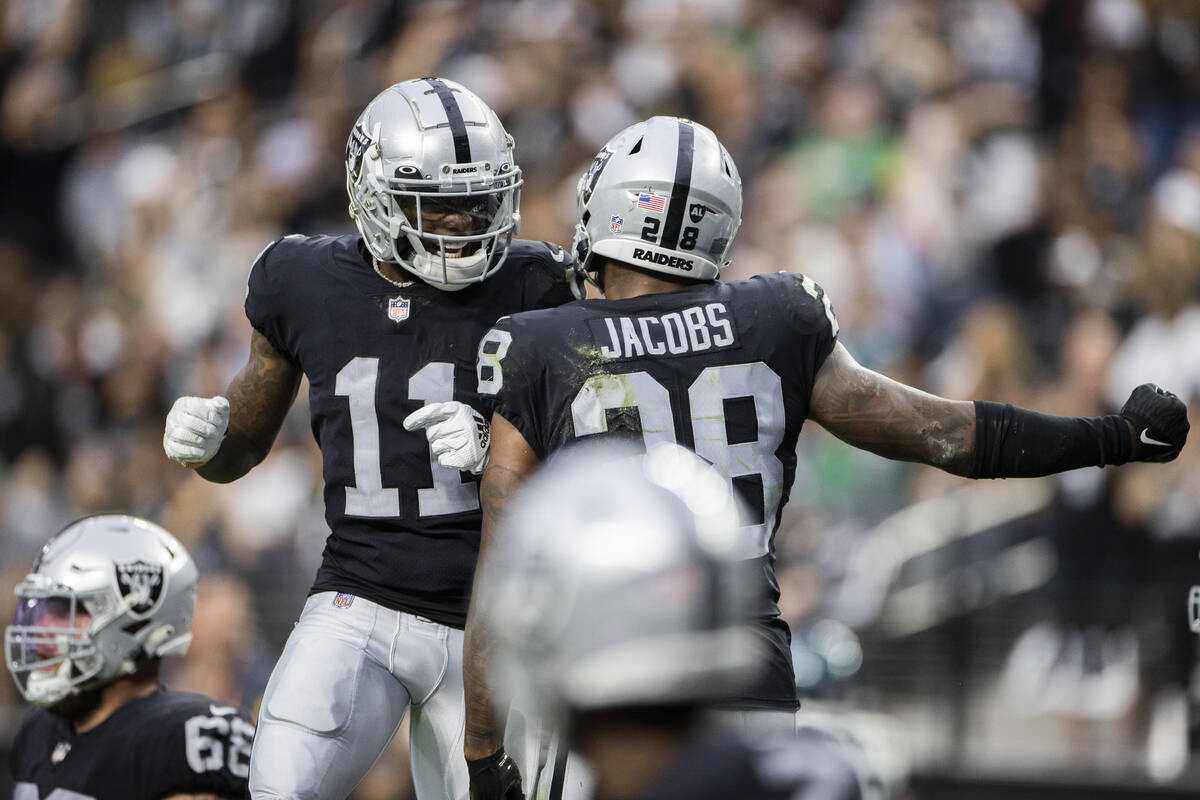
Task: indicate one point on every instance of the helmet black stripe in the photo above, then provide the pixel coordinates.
(458, 128)
(683, 185)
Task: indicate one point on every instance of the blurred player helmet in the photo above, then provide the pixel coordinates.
(615, 581)
(1194, 609)
(106, 594)
(662, 195)
(428, 149)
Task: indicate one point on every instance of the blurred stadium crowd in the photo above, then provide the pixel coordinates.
(1002, 198)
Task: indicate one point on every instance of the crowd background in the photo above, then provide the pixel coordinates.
(1001, 197)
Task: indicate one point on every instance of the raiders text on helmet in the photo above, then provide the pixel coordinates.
(106, 594)
(662, 195)
(427, 149)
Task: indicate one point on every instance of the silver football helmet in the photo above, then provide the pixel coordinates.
(615, 581)
(432, 182)
(106, 594)
(662, 195)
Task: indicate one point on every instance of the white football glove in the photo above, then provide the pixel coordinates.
(458, 435)
(195, 428)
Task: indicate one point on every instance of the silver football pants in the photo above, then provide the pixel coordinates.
(339, 692)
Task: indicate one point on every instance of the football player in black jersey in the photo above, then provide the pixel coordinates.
(108, 597)
(385, 325)
(732, 371)
(620, 604)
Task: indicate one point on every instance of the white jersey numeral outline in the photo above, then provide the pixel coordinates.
(29, 791)
(706, 397)
(228, 747)
(368, 497)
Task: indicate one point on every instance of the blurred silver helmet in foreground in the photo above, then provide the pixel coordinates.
(106, 594)
(432, 146)
(662, 195)
(615, 581)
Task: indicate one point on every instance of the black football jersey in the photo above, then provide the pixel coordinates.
(724, 369)
(404, 529)
(722, 766)
(165, 744)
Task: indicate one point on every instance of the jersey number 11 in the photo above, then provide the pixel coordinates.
(368, 497)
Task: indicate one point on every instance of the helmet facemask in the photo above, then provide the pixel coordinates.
(457, 237)
(51, 648)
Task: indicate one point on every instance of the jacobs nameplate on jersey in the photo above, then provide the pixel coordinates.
(695, 329)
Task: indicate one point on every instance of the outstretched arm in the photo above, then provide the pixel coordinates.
(259, 398)
(512, 460)
(988, 440)
(875, 413)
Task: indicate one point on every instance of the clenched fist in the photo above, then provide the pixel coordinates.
(1160, 423)
(195, 428)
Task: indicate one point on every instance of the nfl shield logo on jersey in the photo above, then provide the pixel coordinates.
(397, 309)
(60, 752)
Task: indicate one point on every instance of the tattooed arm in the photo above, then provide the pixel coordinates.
(886, 417)
(259, 398)
(512, 460)
(989, 440)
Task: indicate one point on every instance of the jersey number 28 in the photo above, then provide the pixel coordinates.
(743, 397)
(737, 421)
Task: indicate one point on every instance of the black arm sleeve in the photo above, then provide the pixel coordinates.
(1014, 442)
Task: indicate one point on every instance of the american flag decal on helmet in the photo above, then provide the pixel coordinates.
(649, 201)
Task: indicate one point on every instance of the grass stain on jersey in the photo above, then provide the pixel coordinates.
(589, 360)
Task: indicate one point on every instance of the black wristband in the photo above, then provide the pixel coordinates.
(1014, 442)
(494, 777)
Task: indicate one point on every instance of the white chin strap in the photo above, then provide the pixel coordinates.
(464, 270)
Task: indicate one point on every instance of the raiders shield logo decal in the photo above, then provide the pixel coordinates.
(142, 583)
(356, 145)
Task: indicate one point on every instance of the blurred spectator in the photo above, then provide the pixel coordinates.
(225, 660)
